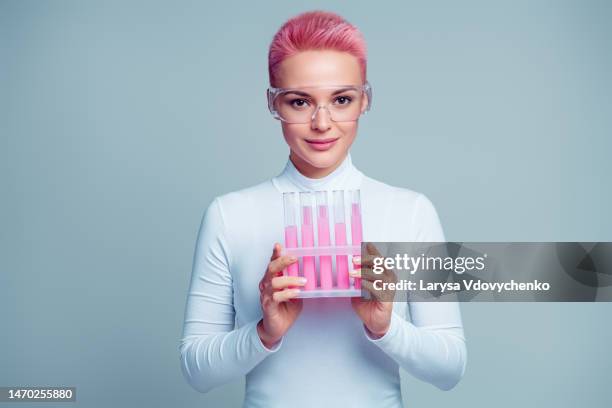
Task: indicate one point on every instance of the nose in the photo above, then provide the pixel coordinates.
(321, 120)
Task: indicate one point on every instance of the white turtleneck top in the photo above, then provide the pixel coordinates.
(327, 357)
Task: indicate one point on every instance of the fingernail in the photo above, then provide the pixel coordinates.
(356, 259)
(292, 258)
(303, 280)
(296, 290)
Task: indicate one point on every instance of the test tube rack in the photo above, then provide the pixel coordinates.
(324, 259)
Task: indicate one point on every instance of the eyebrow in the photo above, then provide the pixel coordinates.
(300, 93)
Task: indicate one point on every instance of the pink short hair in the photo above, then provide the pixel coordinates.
(316, 30)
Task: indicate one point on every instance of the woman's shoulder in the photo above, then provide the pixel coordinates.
(255, 191)
(397, 194)
(250, 201)
(246, 198)
(407, 208)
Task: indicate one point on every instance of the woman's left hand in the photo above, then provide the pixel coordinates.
(376, 311)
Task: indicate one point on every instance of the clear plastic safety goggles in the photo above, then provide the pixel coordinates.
(299, 105)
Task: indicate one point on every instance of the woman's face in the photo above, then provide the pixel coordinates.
(312, 69)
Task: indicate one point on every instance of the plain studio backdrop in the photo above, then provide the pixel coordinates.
(120, 121)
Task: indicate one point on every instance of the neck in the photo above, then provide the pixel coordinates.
(308, 170)
(338, 177)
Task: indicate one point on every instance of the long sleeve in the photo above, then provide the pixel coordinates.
(432, 346)
(212, 350)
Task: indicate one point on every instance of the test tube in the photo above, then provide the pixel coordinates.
(342, 277)
(325, 261)
(356, 232)
(291, 235)
(306, 202)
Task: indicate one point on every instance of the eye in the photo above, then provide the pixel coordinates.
(344, 100)
(298, 103)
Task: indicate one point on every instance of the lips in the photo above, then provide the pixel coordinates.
(322, 144)
(331, 139)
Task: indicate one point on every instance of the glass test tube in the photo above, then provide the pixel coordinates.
(306, 202)
(356, 231)
(342, 276)
(325, 262)
(291, 235)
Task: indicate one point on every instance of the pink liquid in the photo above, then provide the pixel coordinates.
(291, 242)
(325, 262)
(341, 260)
(308, 241)
(356, 234)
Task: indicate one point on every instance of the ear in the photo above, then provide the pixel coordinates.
(364, 102)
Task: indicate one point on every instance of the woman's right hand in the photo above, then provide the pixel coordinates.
(278, 298)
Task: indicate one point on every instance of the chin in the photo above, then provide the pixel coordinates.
(322, 160)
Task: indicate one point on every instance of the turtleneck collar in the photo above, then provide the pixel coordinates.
(345, 176)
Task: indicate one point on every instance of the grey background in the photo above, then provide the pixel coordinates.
(121, 120)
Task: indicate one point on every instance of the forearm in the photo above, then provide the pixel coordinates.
(213, 359)
(436, 355)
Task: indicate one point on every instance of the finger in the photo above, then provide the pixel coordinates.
(276, 251)
(389, 275)
(365, 273)
(282, 282)
(372, 250)
(279, 264)
(285, 295)
(367, 259)
(370, 293)
(380, 295)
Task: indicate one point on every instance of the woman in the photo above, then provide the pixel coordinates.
(242, 316)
